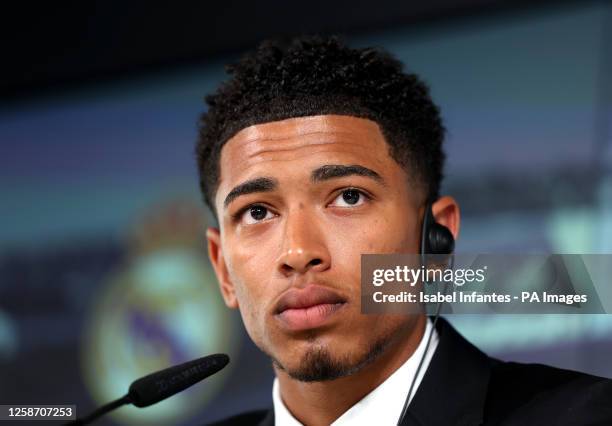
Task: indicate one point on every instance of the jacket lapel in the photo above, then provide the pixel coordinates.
(268, 420)
(454, 388)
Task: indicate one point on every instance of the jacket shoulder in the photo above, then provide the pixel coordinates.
(249, 418)
(532, 391)
(537, 377)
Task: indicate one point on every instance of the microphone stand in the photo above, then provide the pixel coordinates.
(101, 411)
(147, 390)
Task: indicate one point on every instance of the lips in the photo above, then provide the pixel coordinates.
(307, 308)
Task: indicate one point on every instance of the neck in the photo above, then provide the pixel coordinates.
(320, 403)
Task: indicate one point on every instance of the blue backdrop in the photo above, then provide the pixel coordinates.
(103, 270)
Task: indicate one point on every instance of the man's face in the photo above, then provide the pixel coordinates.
(299, 201)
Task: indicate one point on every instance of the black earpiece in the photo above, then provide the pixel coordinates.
(435, 238)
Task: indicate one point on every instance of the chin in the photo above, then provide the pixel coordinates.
(321, 361)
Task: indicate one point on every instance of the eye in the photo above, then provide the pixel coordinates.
(255, 214)
(349, 198)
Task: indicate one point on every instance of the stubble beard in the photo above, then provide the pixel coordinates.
(319, 364)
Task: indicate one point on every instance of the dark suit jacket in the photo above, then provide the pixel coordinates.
(463, 386)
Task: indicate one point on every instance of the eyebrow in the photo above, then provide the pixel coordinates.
(261, 184)
(320, 174)
(333, 171)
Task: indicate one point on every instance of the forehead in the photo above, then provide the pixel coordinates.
(299, 144)
(296, 138)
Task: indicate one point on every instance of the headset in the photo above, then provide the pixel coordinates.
(436, 239)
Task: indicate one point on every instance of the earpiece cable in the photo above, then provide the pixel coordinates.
(422, 361)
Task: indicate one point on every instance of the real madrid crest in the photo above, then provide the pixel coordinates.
(162, 307)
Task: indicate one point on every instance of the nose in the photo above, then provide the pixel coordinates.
(304, 248)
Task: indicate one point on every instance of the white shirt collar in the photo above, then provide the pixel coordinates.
(390, 394)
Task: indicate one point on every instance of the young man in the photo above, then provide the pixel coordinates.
(310, 155)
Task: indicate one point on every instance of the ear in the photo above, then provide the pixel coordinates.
(446, 212)
(215, 253)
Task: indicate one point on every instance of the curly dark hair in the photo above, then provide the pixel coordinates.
(315, 75)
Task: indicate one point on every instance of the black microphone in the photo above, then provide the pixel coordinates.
(157, 386)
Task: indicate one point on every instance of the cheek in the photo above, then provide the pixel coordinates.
(390, 233)
(251, 271)
(250, 267)
(251, 310)
(397, 231)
